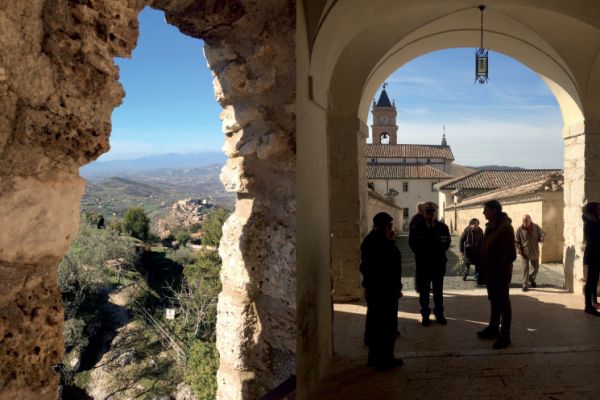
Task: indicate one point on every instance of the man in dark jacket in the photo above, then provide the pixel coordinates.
(381, 268)
(470, 244)
(429, 240)
(496, 256)
(591, 254)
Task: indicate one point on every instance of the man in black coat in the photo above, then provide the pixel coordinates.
(381, 268)
(430, 240)
(497, 255)
(591, 254)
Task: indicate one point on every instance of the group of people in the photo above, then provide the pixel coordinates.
(491, 252)
(528, 237)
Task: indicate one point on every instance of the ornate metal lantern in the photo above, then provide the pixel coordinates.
(481, 57)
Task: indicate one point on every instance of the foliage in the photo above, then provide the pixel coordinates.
(75, 335)
(94, 219)
(182, 256)
(83, 277)
(212, 227)
(136, 223)
(115, 225)
(183, 236)
(201, 371)
(197, 298)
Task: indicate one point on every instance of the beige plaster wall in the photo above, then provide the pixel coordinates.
(375, 206)
(419, 190)
(313, 289)
(546, 212)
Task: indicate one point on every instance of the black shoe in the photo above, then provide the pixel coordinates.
(440, 319)
(425, 321)
(592, 311)
(533, 285)
(393, 363)
(525, 289)
(501, 343)
(465, 277)
(488, 333)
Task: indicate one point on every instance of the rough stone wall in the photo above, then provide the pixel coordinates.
(58, 87)
(250, 49)
(582, 184)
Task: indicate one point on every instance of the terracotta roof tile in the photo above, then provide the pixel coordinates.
(404, 171)
(409, 151)
(553, 182)
(494, 179)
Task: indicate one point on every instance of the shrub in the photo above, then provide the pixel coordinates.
(201, 369)
(136, 223)
(212, 226)
(115, 225)
(94, 219)
(182, 256)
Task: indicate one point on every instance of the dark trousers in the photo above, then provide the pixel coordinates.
(591, 284)
(500, 308)
(381, 327)
(426, 280)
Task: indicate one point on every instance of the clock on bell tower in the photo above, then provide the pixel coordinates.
(384, 128)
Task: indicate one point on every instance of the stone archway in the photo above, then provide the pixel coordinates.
(58, 87)
(349, 50)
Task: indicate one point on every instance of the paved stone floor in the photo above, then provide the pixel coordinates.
(549, 276)
(555, 352)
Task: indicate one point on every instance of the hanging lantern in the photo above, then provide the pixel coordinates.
(481, 57)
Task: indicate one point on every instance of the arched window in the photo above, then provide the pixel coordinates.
(384, 138)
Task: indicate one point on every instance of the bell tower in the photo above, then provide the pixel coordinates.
(384, 128)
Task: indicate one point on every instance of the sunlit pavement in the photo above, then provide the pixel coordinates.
(555, 352)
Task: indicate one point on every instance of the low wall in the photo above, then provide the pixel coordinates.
(376, 205)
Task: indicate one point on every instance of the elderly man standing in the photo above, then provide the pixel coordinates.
(429, 240)
(528, 238)
(496, 257)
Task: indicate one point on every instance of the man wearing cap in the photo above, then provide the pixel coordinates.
(528, 238)
(381, 268)
(429, 241)
(496, 256)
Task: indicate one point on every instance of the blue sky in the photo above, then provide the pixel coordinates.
(513, 120)
(169, 104)
(170, 107)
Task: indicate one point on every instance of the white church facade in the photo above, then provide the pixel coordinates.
(405, 173)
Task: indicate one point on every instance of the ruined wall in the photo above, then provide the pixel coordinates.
(58, 87)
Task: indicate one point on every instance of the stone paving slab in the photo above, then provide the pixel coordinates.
(555, 352)
(549, 275)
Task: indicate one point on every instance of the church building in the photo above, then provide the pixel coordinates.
(405, 173)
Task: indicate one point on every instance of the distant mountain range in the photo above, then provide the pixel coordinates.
(172, 161)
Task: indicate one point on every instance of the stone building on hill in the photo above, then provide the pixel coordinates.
(540, 197)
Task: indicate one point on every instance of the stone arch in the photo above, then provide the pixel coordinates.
(353, 47)
(58, 87)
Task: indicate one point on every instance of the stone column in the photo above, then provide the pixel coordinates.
(582, 184)
(250, 48)
(346, 214)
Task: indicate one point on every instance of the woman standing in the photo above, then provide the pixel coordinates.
(591, 255)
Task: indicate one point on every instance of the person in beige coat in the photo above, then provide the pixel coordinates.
(527, 239)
